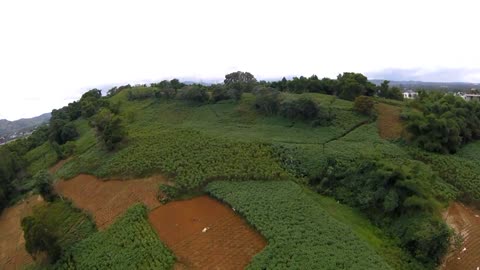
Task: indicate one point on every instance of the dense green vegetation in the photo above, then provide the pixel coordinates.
(394, 197)
(300, 234)
(54, 228)
(443, 123)
(130, 243)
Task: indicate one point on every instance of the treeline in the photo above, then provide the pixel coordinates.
(442, 123)
(347, 86)
(13, 163)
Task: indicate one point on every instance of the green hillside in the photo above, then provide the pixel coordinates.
(307, 169)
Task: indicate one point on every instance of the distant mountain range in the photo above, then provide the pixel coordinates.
(8, 128)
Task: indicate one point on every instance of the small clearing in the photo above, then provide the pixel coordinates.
(106, 200)
(206, 234)
(466, 222)
(12, 244)
(389, 122)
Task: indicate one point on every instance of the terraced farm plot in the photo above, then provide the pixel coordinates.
(389, 125)
(106, 200)
(12, 244)
(465, 221)
(228, 242)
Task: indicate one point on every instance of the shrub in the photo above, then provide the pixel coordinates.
(192, 93)
(43, 181)
(219, 93)
(140, 93)
(109, 128)
(364, 105)
(38, 238)
(302, 108)
(235, 93)
(267, 100)
(165, 93)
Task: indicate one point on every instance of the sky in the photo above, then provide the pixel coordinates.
(52, 51)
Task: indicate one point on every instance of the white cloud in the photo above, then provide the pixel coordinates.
(52, 50)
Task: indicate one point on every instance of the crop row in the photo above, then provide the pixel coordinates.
(130, 243)
(193, 158)
(300, 234)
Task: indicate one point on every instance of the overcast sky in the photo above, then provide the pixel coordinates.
(52, 51)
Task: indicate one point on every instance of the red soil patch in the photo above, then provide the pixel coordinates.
(389, 122)
(229, 243)
(106, 200)
(59, 164)
(12, 244)
(466, 222)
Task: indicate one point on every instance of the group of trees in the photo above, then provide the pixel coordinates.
(442, 123)
(101, 113)
(269, 102)
(347, 86)
(394, 197)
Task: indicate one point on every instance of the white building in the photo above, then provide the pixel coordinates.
(469, 97)
(409, 94)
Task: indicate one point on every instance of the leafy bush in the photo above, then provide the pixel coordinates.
(219, 93)
(302, 108)
(44, 183)
(166, 93)
(130, 243)
(109, 128)
(267, 100)
(193, 93)
(364, 105)
(140, 93)
(300, 234)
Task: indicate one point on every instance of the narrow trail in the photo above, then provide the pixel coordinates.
(389, 123)
(466, 222)
(348, 131)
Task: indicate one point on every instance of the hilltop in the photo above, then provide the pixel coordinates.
(326, 173)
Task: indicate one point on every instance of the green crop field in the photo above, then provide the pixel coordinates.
(300, 234)
(130, 243)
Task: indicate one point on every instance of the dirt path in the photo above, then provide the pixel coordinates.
(57, 166)
(388, 122)
(12, 244)
(465, 221)
(228, 243)
(106, 200)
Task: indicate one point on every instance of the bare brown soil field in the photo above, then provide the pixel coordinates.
(12, 244)
(466, 222)
(388, 122)
(57, 166)
(228, 243)
(106, 200)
